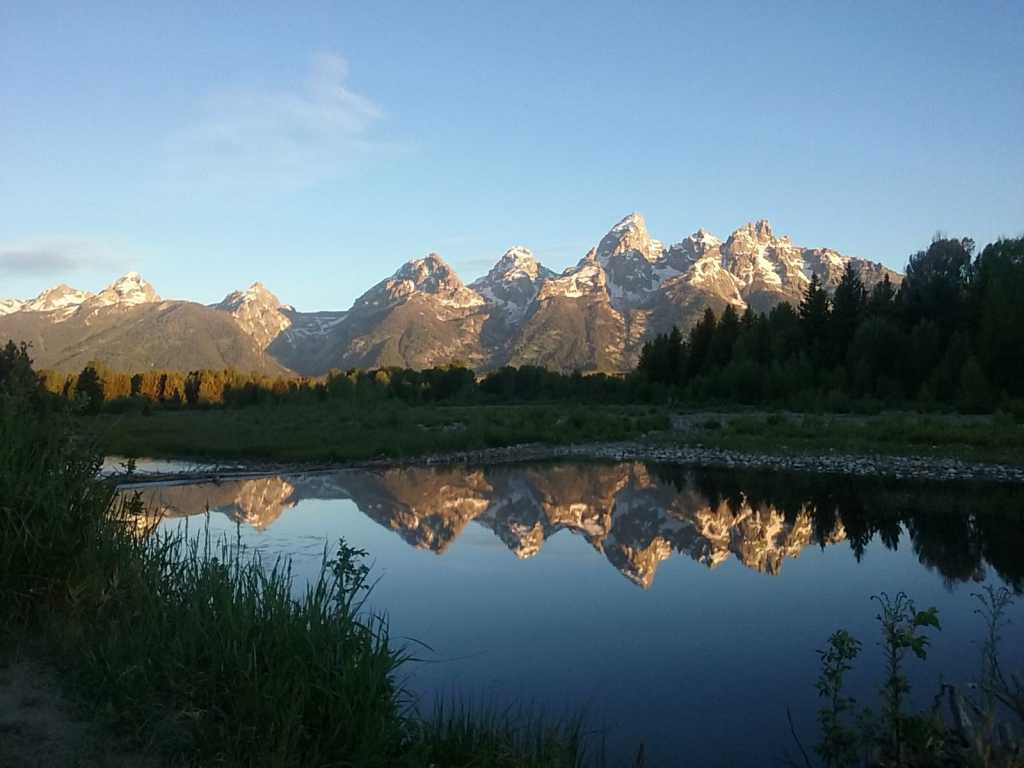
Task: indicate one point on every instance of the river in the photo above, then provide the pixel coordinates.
(678, 608)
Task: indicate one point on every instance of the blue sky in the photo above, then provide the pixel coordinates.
(317, 146)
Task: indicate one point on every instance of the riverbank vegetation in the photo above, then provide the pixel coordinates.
(199, 653)
(975, 726)
(998, 438)
(350, 433)
(314, 433)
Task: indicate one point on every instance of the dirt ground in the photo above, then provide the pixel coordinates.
(39, 727)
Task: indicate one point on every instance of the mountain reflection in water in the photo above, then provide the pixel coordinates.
(638, 515)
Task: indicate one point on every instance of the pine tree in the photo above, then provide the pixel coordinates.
(849, 303)
(724, 339)
(701, 336)
(16, 374)
(936, 283)
(814, 322)
(89, 388)
(997, 314)
(882, 299)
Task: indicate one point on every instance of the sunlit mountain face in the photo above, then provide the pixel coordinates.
(639, 515)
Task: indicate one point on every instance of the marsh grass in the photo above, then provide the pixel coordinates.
(344, 432)
(995, 438)
(199, 651)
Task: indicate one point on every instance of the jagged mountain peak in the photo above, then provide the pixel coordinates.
(631, 222)
(514, 280)
(429, 276)
(629, 237)
(431, 273)
(255, 293)
(128, 290)
(758, 232)
(10, 306)
(706, 238)
(518, 257)
(696, 246)
(257, 312)
(518, 262)
(60, 296)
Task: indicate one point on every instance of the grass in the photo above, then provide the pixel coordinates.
(198, 652)
(344, 432)
(335, 431)
(997, 438)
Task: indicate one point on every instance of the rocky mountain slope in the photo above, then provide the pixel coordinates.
(127, 326)
(594, 316)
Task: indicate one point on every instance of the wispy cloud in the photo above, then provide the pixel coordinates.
(292, 137)
(55, 256)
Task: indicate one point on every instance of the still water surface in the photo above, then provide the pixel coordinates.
(677, 608)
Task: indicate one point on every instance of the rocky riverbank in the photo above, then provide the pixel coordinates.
(868, 465)
(858, 465)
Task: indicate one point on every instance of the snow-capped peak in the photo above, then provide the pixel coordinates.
(627, 237)
(760, 230)
(514, 280)
(127, 291)
(518, 263)
(431, 276)
(60, 297)
(257, 293)
(705, 238)
(633, 221)
(518, 258)
(258, 312)
(10, 306)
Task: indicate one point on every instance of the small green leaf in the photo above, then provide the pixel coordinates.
(920, 646)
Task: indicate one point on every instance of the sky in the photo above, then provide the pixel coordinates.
(317, 146)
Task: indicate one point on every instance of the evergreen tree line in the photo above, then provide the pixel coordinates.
(99, 387)
(952, 334)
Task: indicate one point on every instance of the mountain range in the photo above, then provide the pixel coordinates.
(594, 316)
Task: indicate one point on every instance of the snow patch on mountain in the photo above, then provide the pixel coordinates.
(312, 324)
(585, 279)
